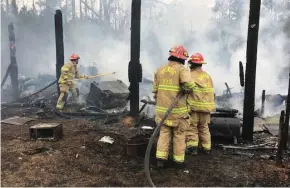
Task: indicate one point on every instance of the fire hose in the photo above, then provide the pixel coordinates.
(153, 137)
(95, 76)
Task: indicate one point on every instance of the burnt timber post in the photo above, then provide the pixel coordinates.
(263, 103)
(13, 68)
(250, 81)
(135, 69)
(59, 44)
(281, 139)
(242, 75)
(287, 114)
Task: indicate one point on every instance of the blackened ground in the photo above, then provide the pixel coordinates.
(79, 159)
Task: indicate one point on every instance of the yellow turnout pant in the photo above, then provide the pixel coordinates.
(198, 130)
(64, 88)
(163, 145)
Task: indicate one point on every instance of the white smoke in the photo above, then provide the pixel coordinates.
(187, 22)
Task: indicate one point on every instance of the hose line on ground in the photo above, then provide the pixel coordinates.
(153, 136)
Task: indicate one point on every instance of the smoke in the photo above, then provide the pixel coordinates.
(164, 24)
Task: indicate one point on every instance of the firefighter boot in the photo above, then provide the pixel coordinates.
(206, 151)
(160, 163)
(178, 165)
(60, 105)
(191, 150)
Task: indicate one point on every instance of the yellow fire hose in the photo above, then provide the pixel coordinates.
(95, 76)
(153, 136)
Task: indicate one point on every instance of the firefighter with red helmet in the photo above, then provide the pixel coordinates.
(69, 72)
(201, 102)
(167, 84)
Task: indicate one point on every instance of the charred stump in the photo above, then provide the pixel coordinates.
(263, 103)
(59, 44)
(135, 68)
(250, 81)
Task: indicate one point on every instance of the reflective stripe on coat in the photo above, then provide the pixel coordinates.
(202, 98)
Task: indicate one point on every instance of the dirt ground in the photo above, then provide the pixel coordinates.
(79, 159)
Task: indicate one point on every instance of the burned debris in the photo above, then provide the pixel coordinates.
(110, 125)
(46, 131)
(108, 95)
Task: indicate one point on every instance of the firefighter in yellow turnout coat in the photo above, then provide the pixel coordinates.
(167, 84)
(68, 73)
(201, 103)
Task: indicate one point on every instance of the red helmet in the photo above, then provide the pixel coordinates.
(74, 57)
(179, 51)
(196, 58)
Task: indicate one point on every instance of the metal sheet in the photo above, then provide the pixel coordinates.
(17, 120)
(45, 125)
(108, 95)
(272, 128)
(259, 125)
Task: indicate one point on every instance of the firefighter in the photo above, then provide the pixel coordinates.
(69, 72)
(201, 102)
(167, 84)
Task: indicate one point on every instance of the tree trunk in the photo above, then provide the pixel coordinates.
(13, 65)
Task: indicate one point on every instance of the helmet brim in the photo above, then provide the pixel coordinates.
(199, 63)
(74, 58)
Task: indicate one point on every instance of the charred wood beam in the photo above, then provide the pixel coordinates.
(281, 140)
(250, 82)
(59, 44)
(263, 103)
(6, 76)
(92, 114)
(242, 75)
(135, 68)
(13, 63)
(228, 90)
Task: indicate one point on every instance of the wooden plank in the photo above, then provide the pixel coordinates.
(17, 120)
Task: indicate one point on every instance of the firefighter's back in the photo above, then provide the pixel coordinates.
(168, 88)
